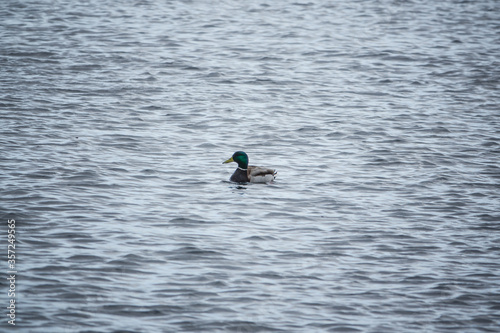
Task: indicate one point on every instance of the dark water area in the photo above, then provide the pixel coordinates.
(381, 117)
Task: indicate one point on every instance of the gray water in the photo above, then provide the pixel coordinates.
(381, 117)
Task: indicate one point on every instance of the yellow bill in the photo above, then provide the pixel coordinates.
(228, 161)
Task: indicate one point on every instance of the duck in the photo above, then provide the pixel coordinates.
(245, 173)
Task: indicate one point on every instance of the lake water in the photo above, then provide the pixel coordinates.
(381, 117)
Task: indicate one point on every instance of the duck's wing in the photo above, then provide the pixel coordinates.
(258, 174)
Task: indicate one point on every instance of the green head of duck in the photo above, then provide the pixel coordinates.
(239, 157)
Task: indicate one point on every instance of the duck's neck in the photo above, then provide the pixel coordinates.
(242, 166)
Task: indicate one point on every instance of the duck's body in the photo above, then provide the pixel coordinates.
(249, 173)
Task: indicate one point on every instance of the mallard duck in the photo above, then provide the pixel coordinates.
(248, 173)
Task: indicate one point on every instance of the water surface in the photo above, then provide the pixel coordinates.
(381, 117)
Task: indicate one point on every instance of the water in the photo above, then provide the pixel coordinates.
(381, 117)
